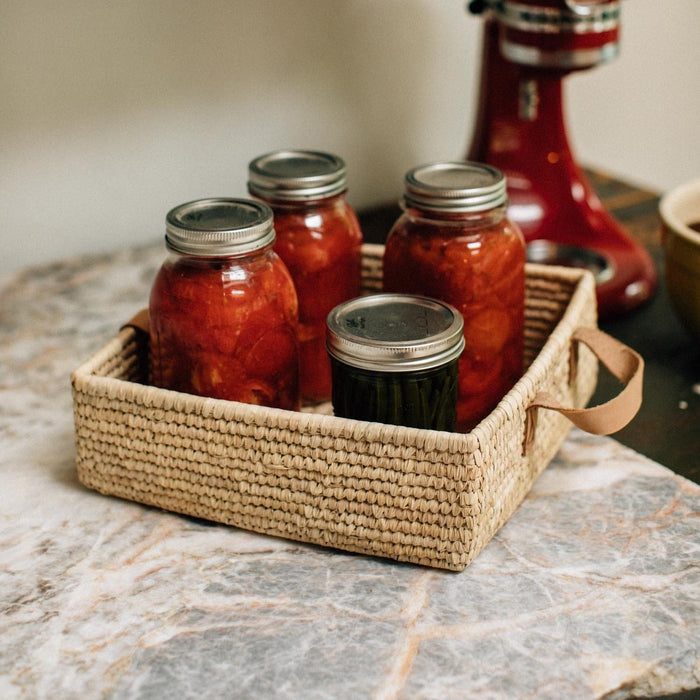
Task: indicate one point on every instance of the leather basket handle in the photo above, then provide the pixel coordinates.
(140, 321)
(606, 418)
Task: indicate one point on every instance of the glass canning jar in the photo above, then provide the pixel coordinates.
(223, 309)
(454, 242)
(319, 239)
(394, 360)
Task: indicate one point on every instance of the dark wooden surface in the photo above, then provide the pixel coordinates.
(667, 427)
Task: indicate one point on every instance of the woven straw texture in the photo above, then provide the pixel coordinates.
(427, 497)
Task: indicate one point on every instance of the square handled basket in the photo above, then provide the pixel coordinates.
(427, 497)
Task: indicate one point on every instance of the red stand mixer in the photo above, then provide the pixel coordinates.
(529, 47)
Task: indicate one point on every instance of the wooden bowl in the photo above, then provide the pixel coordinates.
(680, 232)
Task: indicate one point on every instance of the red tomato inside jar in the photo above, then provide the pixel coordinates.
(319, 239)
(223, 309)
(454, 243)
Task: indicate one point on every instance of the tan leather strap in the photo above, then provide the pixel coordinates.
(140, 322)
(624, 363)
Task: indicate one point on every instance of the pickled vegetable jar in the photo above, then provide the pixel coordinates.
(394, 360)
(454, 242)
(319, 239)
(223, 307)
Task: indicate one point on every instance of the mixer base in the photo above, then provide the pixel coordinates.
(550, 253)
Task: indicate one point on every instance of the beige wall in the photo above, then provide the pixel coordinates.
(111, 113)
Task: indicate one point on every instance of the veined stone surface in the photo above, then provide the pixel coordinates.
(591, 590)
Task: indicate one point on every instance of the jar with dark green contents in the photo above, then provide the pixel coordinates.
(394, 360)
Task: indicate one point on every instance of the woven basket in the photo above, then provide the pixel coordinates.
(427, 497)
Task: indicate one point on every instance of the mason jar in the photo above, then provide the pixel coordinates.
(223, 309)
(319, 239)
(394, 360)
(454, 242)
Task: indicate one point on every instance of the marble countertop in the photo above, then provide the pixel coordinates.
(591, 590)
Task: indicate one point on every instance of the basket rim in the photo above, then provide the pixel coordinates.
(84, 380)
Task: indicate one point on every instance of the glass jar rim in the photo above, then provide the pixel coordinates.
(447, 218)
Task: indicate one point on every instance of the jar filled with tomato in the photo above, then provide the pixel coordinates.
(319, 239)
(454, 242)
(223, 309)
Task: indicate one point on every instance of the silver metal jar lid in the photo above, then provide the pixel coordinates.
(395, 333)
(455, 187)
(297, 176)
(219, 227)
